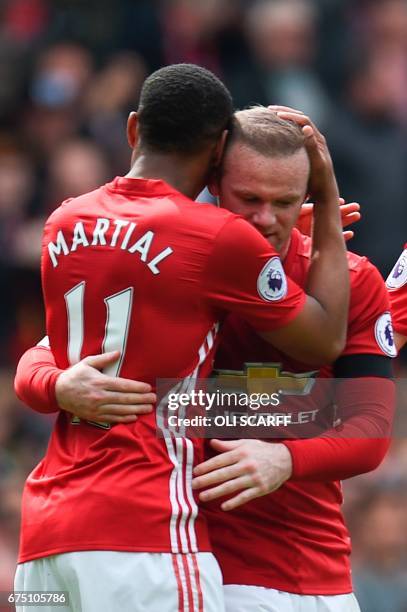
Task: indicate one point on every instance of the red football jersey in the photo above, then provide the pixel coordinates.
(295, 539)
(135, 266)
(397, 286)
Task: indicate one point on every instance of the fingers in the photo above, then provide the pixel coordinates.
(351, 207)
(225, 445)
(101, 361)
(277, 108)
(308, 128)
(113, 414)
(312, 136)
(309, 133)
(240, 499)
(243, 482)
(126, 385)
(108, 397)
(120, 410)
(215, 477)
(223, 460)
(244, 496)
(298, 118)
(306, 209)
(113, 419)
(350, 218)
(292, 114)
(251, 469)
(346, 209)
(350, 214)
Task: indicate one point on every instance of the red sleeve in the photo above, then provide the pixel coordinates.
(245, 275)
(365, 393)
(357, 446)
(370, 328)
(398, 300)
(397, 286)
(35, 379)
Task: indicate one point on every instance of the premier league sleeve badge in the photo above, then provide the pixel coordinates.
(272, 281)
(398, 276)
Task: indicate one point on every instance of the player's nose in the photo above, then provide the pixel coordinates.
(264, 217)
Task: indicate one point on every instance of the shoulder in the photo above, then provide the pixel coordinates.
(303, 249)
(211, 212)
(360, 268)
(205, 215)
(370, 324)
(221, 228)
(369, 297)
(74, 206)
(365, 278)
(59, 212)
(367, 283)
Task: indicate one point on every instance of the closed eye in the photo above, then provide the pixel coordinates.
(251, 199)
(285, 203)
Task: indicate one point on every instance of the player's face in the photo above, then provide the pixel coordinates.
(266, 191)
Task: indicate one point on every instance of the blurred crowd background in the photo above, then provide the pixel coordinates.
(71, 70)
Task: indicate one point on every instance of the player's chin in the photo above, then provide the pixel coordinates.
(273, 239)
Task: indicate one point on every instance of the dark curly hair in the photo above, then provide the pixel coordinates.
(183, 108)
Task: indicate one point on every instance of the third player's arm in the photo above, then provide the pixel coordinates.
(397, 286)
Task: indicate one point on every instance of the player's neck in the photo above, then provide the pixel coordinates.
(283, 252)
(185, 176)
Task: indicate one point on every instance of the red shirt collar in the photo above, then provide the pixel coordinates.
(141, 187)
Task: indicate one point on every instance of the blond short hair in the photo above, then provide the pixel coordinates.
(262, 130)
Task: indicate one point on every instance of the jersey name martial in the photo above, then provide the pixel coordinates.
(121, 238)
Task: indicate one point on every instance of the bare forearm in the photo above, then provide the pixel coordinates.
(328, 280)
(328, 277)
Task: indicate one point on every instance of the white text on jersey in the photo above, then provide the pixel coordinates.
(98, 238)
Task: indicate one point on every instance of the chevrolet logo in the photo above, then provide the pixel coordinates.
(265, 378)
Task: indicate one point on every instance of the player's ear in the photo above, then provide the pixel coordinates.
(132, 130)
(220, 148)
(214, 181)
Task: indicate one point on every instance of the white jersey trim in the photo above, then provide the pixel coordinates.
(181, 453)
